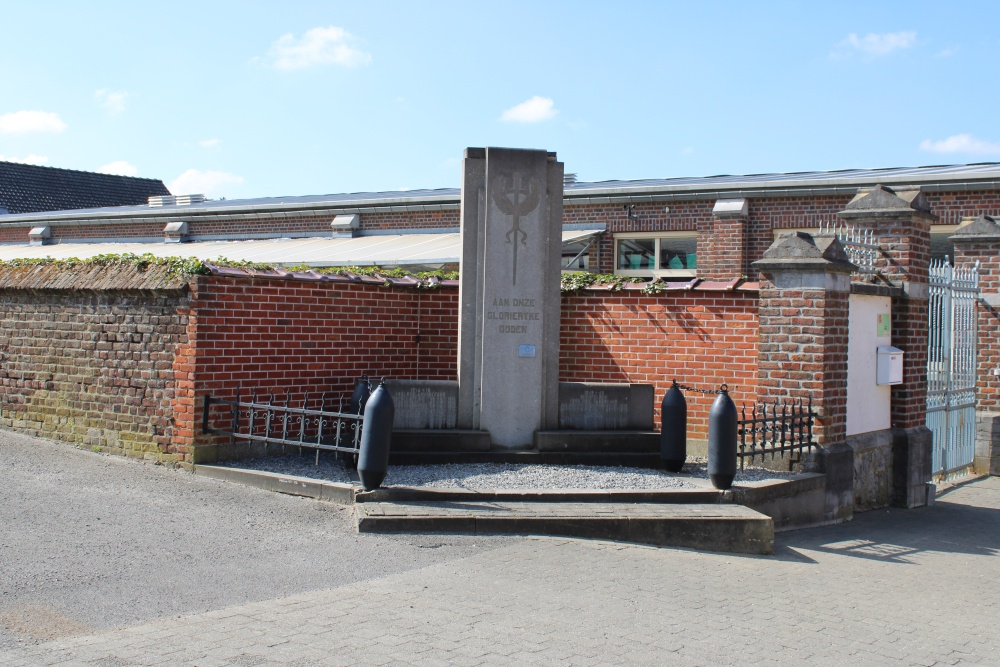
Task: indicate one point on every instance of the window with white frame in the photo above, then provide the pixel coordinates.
(661, 254)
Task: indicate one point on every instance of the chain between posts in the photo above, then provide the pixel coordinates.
(722, 388)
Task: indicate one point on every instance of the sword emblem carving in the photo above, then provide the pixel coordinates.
(515, 195)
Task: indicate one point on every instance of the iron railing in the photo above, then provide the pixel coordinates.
(272, 423)
(775, 430)
(859, 244)
(951, 367)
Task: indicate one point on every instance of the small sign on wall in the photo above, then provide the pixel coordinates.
(882, 327)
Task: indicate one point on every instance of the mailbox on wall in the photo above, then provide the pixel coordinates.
(889, 369)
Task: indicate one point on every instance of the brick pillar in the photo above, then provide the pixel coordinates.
(803, 348)
(901, 220)
(978, 240)
(722, 247)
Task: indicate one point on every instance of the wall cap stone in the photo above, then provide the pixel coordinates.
(731, 208)
(804, 252)
(981, 228)
(881, 201)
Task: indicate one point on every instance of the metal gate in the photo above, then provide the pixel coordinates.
(951, 367)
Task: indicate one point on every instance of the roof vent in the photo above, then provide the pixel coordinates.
(345, 226)
(40, 236)
(175, 232)
(569, 179)
(178, 200)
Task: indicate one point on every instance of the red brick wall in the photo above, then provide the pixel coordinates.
(701, 339)
(805, 355)
(306, 338)
(299, 224)
(951, 207)
(988, 353)
(722, 246)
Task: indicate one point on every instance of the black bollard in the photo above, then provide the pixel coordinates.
(722, 427)
(373, 458)
(362, 390)
(673, 429)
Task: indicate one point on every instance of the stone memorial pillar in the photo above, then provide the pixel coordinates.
(509, 294)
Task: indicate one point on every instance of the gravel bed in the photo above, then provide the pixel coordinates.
(480, 476)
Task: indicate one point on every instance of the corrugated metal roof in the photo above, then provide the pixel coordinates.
(382, 250)
(960, 175)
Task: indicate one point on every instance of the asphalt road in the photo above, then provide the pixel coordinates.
(115, 563)
(90, 541)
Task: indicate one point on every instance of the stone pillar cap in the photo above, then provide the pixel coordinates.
(981, 228)
(882, 200)
(731, 208)
(804, 252)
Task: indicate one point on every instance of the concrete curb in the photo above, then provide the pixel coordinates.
(334, 492)
(711, 527)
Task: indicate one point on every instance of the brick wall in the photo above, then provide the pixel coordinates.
(805, 354)
(722, 245)
(239, 225)
(300, 339)
(701, 339)
(122, 360)
(987, 253)
(91, 364)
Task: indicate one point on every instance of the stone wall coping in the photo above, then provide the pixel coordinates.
(91, 277)
(805, 253)
(981, 228)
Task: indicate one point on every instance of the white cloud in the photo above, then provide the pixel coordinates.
(961, 143)
(687, 150)
(946, 53)
(209, 183)
(875, 44)
(23, 122)
(27, 159)
(113, 101)
(120, 168)
(209, 143)
(534, 110)
(318, 46)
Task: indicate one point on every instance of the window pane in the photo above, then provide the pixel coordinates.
(576, 255)
(941, 246)
(678, 253)
(636, 253)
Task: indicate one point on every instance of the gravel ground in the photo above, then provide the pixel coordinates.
(479, 476)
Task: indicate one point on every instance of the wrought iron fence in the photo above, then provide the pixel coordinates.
(951, 366)
(326, 428)
(859, 244)
(772, 430)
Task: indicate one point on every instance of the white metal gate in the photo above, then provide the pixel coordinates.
(951, 367)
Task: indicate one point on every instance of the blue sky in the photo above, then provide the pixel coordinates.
(266, 99)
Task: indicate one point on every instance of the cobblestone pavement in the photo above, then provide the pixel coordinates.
(891, 587)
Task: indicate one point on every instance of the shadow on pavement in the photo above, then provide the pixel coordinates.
(964, 521)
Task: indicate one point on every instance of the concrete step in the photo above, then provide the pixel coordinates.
(395, 494)
(635, 459)
(709, 527)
